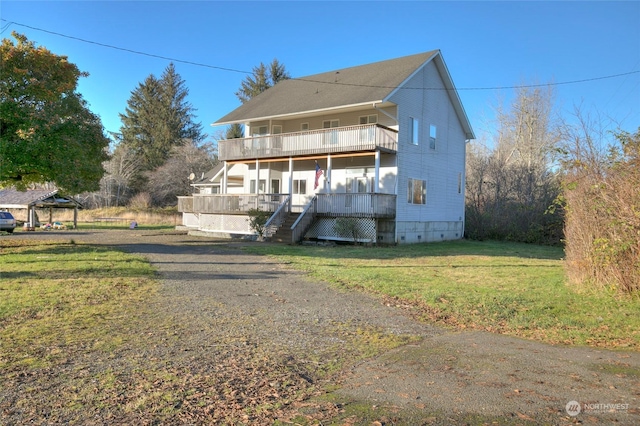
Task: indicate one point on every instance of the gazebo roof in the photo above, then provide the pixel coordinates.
(12, 199)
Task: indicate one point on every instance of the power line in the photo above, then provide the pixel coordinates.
(527, 86)
(129, 50)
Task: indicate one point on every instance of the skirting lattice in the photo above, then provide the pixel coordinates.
(225, 223)
(332, 228)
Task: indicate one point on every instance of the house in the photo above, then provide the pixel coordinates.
(373, 153)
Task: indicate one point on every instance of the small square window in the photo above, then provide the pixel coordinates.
(304, 126)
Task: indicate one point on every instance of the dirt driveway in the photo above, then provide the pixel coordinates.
(439, 377)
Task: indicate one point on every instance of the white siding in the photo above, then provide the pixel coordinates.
(439, 167)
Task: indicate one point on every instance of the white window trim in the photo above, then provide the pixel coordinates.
(368, 119)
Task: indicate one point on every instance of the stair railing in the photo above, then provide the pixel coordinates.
(304, 221)
(278, 217)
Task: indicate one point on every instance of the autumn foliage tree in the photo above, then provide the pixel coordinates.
(602, 201)
(47, 132)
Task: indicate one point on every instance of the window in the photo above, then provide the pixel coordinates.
(432, 136)
(252, 186)
(304, 126)
(417, 191)
(299, 186)
(260, 131)
(414, 130)
(369, 119)
(330, 137)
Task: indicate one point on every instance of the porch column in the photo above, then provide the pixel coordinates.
(224, 178)
(376, 179)
(257, 183)
(290, 182)
(328, 176)
(75, 217)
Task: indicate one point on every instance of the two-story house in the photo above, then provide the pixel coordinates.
(382, 144)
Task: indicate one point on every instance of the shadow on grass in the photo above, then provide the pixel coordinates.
(436, 249)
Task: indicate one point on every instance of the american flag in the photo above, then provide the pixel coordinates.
(318, 174)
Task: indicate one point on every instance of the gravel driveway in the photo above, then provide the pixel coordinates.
(223, 307)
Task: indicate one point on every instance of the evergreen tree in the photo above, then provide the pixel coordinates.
(234, 131)
(158, 118)
(261, 79)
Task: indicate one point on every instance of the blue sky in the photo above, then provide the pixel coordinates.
(485, 45)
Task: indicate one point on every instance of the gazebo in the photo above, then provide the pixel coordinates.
(38, 199)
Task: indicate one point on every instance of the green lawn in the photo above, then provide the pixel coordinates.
(57, 295)
(510, 288)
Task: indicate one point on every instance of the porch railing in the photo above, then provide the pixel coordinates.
(341, 204)
(230, 203)
(367, 137)
(357, 205)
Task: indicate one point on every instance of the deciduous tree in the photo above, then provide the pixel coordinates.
(47, 132)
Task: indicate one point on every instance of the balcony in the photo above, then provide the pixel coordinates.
(368, 137)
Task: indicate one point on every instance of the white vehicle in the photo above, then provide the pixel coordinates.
(7, 222)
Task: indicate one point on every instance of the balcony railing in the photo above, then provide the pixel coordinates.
(326, 141)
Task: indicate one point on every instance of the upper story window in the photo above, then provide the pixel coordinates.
(328, 124)
(414, 130)
(260, 131)
(304, 126)
(369, 119)
(432, 136)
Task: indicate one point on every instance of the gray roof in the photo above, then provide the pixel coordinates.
(10, 198)
(349, 86)
(207, 178)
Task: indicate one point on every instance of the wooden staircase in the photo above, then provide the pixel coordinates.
(283, 234)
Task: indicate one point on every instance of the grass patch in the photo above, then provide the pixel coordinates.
(510, 288)
(55, 297)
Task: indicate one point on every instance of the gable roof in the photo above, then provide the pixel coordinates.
(13, 199)
(344, 88)
(209, 176)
